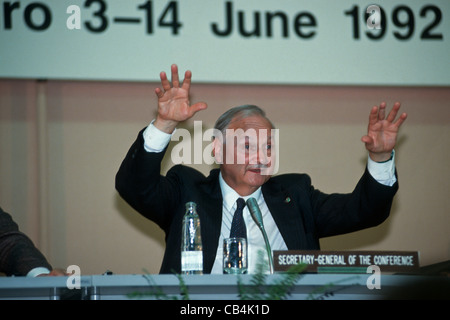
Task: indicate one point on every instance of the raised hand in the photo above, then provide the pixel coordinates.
(173, 101)
(382, 131)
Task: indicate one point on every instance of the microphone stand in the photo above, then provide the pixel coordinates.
(257, 217)
(268, 248)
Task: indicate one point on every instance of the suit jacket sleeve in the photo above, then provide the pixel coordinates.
(140, 183)
(368, 205)
(161, 199)
(18, 254)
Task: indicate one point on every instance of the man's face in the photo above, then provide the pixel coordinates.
(247, 154)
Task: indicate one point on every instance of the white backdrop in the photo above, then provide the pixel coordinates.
(236, 41)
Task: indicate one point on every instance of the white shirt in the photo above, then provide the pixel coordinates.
(256, 247)
(156, 140)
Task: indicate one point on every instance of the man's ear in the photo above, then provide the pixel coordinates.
(217, 150)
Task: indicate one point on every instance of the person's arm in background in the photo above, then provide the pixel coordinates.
(18, 254)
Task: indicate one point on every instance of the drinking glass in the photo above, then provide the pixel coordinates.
(235, 256)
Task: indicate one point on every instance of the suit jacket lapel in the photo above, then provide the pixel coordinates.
(286, 214)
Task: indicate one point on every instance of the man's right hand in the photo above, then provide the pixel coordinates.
(173, 101)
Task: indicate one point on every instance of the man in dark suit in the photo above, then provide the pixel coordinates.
(18, 254)
(295, 214)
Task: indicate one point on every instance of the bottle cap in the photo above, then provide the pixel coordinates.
(191, 205)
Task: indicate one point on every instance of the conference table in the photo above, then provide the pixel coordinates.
(308, 286)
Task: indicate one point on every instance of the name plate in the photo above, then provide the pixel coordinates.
(347, 261)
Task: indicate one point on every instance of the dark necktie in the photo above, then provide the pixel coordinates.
(238, 229)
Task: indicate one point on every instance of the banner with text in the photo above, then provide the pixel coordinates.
(346, 42)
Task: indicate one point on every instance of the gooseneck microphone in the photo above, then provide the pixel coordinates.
(257, 217)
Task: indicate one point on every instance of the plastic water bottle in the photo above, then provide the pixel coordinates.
(191, 242)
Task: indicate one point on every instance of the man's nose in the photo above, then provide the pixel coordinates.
(259, 156)
(263, 157)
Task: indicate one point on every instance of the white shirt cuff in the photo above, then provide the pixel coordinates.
(37, 271)
(383, 172)
(155, 140)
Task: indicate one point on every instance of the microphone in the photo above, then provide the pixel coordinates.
(257, 217)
